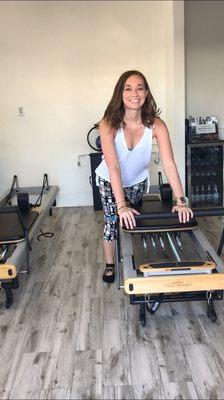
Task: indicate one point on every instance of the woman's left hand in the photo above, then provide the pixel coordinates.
(184, 213)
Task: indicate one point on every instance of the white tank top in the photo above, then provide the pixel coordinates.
(134, 164)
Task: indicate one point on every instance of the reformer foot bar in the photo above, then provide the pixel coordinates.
(18, 228)
(162, 260)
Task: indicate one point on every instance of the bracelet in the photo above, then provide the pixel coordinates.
(121, 208)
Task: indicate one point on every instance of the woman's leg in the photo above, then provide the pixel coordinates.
(109, 250)
(134, 195)
(110, 227)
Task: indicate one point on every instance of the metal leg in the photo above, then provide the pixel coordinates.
(9, 297)
(117, 261)
(118, 245)
(7, 287)
(142, 315)
(211, 311)
(27, 252)
(53, 205)
(210, 307)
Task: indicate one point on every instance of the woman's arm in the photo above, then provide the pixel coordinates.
(107, 136)
(161, 134)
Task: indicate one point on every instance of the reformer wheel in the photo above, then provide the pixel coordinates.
(142, 316)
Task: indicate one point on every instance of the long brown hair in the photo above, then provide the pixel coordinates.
(114, 113)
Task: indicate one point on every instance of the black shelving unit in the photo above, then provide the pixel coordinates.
(204, 174)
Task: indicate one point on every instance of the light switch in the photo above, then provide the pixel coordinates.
(21, 112)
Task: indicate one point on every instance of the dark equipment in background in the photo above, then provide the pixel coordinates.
(204, 170)
(165, 190)
(203, 129)
(95, 160)
(93, 139)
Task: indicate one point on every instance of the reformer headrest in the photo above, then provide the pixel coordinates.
(162, 225)
(156, 216)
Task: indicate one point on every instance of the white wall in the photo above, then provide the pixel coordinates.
(205, 59)
(60, 61)
(175, 80)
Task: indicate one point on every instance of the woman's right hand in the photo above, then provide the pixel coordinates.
(127, 217)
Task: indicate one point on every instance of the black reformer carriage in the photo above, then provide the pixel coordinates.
(20, 220)
(161, 260)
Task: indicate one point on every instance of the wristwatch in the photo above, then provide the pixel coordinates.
(182, 201)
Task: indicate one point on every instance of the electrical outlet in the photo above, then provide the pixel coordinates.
(20, 112)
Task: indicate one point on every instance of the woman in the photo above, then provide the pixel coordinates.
(129, 124)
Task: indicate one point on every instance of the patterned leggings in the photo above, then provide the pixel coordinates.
(132, 193)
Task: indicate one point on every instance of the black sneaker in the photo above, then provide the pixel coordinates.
(109, 278)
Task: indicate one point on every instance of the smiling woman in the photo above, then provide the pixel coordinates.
(126, 131)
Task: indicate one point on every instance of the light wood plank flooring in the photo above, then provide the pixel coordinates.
(70, 336)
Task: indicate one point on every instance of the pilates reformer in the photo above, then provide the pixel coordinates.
(22, 211)
(162, 260)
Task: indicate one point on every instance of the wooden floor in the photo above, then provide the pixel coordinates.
(68, 335)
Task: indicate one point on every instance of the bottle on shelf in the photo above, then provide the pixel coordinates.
(206, 174)
(209, 196)
(203, 196)
(197, 195)
(216, 195)
(197, 174)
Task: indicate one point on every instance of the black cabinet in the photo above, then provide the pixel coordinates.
(95, 160)
(204, 174)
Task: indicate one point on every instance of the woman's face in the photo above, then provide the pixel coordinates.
(134, 93)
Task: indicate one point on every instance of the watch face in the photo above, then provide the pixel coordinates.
(182, 200)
